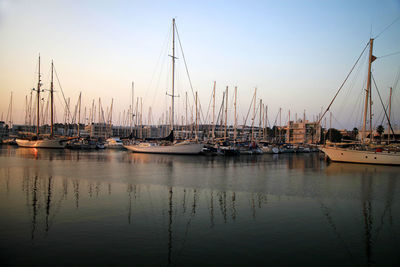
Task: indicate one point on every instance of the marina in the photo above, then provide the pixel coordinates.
(208, 133)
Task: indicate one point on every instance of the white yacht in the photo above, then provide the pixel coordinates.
(114, 143)
(363, 153)
(39, 141)
(183, 148)
(168, 147)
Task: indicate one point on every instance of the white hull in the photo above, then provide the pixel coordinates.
(359, 156)
(45, 143)
(180, 148)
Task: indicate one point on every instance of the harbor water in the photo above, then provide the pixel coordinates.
(75, 208)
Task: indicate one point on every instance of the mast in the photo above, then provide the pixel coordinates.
(99, 133)
(38, 102)
(110, 117)
(186, 124)
(288, 129)
(226, 112)
(196, 128)
(266, 119)
(390, 108)
(131, 120)
(260, 121)
(280, 125)
(368, 93)
(173, 74)
(213, 119)
(254, 115)
(79, 113)
(52, 102)
(235, 125)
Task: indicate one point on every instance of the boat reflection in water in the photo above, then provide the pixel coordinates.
(118, 208)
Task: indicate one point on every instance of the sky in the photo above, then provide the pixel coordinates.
(296, 53)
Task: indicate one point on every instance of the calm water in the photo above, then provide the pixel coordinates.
(118, 208)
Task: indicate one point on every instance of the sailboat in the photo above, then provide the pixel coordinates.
(168, 147)
(41, 141)
(362, 154)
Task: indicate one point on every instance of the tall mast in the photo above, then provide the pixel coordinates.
(131, 120)
(52, 102)
(226, 112)
(38, 102)
(196, 128)
(266, 119)
(390, 108)
(79, 113)
(235, 125)
(280, 125)
(110, 117)
(213, 119)
(368, 92)
(173, 74)
(260, 120)
(254, 115)
(186, 120)
(288, 129)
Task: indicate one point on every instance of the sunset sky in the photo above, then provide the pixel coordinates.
(297, 53)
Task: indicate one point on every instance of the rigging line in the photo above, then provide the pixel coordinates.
(209, 105)
(387, 117)
(59, 84)
(396, 80)
(187, 70)
(352, 83)
(338, 122)
(340, 88)
(391, 54)
(381, 115)
(248, 112)
(387, 27)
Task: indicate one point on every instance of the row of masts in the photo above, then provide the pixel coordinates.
(133, 118)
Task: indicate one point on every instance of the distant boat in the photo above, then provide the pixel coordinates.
(114, 143)
(168, 147)
(362, 153)
(42, 141)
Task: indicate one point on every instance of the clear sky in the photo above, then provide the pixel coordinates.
(297, 53)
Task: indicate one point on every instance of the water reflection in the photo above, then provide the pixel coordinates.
(175, 204)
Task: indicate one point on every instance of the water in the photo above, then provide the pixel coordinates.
(118, 208)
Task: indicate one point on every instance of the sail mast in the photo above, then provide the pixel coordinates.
(131, 119)
(368, 92)
(235, 124)
(79, 113)
(226, 113)
(197, 125)
(173, 74)
(38, 102)
(390, 111)
(213, 119)
(52, 102)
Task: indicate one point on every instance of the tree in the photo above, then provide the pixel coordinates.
(355, 133)
(334, 135)
(380, 130)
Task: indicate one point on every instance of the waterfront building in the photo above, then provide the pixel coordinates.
(303, 132)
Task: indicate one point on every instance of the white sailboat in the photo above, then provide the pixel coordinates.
(41, 141)
(170, 147)
(362, 154)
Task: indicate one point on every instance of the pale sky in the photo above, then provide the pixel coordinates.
(297, 53)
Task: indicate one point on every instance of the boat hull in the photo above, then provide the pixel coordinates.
(359, 156)
(46, 143)
(182, 149)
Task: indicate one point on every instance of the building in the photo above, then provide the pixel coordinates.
(303, 132)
